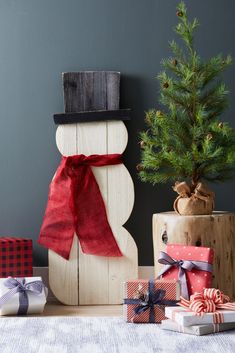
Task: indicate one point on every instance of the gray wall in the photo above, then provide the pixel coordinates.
(39, 39)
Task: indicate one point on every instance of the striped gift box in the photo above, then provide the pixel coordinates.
(134, 289)
(185, 317)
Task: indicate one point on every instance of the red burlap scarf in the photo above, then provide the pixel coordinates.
(75, 205)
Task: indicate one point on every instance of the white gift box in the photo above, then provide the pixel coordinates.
(36, 301)
(197, 330)
(188, 318)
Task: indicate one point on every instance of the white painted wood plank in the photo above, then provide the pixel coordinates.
(100, 278)
(93, 270)
(120, 204)
(122, 200)
(63, 274)
(118, 194)
(66, 139)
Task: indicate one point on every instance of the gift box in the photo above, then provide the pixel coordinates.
(145, 300)
(21, 296)
(192, 265)
(198, 330)
(184, 317)
(15, 257)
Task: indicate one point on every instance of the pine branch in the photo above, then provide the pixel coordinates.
(214, 67)
(186, 140)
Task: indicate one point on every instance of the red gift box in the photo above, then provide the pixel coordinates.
(196, 279)
(15, 257)
(137, 288)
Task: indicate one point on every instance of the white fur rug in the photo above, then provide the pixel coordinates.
(102, 335)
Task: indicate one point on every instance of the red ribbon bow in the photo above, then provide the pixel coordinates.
(208, 301)
(75, 205)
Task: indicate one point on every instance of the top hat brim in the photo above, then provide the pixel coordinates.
(92, 116)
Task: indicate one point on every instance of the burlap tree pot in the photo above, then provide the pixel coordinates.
(194, 200)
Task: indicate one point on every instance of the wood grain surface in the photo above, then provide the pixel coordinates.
(216, 231)
(99, 278)
(88, 279)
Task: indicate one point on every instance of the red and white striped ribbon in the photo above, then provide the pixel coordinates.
(208, 301)
(216, 328)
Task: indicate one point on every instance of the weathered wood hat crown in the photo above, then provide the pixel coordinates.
(91, 96)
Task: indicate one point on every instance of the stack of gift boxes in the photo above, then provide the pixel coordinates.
(20, 293)
(180, 298)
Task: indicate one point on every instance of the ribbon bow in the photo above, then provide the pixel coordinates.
(148, 301)
(183, 265)
(75, 205)
(201, 192)
(19, 285)
(208, 301)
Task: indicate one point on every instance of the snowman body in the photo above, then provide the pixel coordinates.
(88, 279)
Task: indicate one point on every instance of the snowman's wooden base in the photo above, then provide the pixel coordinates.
(216, 231)
(87, 279)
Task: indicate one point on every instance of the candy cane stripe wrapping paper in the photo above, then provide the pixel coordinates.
(135, 289)
(208, 307)
(187, 318)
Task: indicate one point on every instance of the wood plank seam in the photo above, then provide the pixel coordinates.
(78, 269)
(143, 272)
(107, 183)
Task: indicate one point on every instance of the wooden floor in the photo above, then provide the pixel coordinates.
(96, 310)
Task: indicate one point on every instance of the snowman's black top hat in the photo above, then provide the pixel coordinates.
(91, 96)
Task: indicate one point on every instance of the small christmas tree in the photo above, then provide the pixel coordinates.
(186, 141)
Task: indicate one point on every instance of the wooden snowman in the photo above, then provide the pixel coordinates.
(92, 124)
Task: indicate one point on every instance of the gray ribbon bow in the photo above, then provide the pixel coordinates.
(183, 265)
(19, 285)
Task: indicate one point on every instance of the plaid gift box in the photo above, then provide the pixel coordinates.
(15, 257)
(145, 300)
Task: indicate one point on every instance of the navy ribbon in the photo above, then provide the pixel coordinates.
(19, 285)
(151, 299)
(183, 265)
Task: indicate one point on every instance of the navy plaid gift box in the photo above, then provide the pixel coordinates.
(15, 257)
